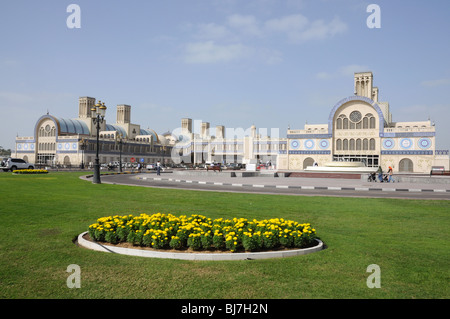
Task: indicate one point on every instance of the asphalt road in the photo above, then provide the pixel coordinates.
(284, 186)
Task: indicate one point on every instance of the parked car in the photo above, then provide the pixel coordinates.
(12, 164)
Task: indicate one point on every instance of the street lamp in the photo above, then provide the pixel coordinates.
(98, 115)
(120, 141)
(83, 145)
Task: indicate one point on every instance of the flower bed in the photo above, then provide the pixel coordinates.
(30, 171)
(197, 232)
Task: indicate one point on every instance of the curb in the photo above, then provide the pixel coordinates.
(333, 188)
(196, 256)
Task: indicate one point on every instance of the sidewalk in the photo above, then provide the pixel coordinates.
(217, 178)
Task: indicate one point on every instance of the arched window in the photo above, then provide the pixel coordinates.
(352, 145)
(345, 148)
(372, 144)
(365, 144)
(339, 124)
(365, 122)
(345, 123)
(358, 144)
(372, 122)
(338, 145)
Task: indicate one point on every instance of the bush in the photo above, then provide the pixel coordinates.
(30, 171)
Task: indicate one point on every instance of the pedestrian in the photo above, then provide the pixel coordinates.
(391, 173)
(158, 168)
(380, 174)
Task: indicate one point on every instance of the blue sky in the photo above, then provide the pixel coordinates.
(271, 63)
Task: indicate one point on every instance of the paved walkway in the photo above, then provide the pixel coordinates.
(216, 178)
(286, 185)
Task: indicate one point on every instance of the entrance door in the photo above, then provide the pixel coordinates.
(308, 162)
(406, 165)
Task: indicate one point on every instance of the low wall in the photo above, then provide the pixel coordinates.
(225, 173)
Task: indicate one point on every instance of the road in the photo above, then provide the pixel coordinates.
(284, 186)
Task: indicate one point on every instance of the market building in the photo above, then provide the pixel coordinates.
(360, 129)
(72, 142)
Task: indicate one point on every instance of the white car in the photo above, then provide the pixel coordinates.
(12, 164)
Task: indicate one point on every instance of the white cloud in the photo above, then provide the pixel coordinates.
(244, 24)
(320, 30)
(210, 52)
(299, 29)
(292, 23)
(212, 31)
(214, 43)
(344, 71)
(434, 83)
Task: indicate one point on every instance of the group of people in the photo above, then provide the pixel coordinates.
(389, 178)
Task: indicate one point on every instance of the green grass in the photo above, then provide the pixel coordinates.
(40, 215)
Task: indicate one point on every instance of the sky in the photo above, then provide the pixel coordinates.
(270, 63)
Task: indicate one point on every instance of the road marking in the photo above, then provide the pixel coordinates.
(335, 188)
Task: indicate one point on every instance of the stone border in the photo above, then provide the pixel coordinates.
(196, 256)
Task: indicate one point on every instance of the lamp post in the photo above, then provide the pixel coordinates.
(98, 115)
(120, 141)
(83, 145)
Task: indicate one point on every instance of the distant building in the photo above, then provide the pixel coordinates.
(228, 145)
(71, 142)
(360, 128)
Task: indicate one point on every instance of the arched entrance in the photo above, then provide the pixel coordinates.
(406, 165)
(308, 162)
(66, 161)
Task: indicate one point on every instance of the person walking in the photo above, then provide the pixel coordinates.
(391, 173)
(380, 174)
(158, 168)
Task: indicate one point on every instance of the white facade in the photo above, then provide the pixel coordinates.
(360, 128)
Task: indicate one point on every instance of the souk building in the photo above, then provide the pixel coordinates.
(197, 143)
(71, 142)
(360, 128)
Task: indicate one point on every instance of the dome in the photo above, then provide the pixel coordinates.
(121, 130)
(150, 132)
(66, 126)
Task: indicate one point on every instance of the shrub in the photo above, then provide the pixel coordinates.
(30, 171)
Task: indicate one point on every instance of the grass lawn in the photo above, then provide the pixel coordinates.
(41, 214)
